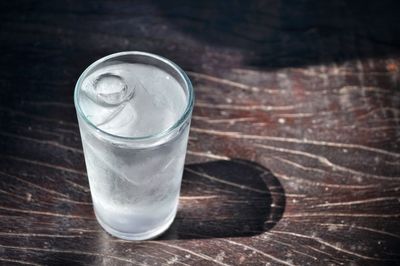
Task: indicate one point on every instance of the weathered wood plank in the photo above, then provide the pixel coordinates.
(293, 156)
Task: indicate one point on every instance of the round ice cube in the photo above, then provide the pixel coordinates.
(112, 89)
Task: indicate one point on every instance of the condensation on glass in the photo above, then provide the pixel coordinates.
(134, 112)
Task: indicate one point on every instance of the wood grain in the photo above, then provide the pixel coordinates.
(293, 156)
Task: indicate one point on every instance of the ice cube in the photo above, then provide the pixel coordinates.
(107, 89)
(111, 89)
(107, 95)
(121, 121)
(132, 100)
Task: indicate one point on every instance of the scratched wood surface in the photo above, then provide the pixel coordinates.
(293, 157)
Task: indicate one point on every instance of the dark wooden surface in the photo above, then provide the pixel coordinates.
(293, 158)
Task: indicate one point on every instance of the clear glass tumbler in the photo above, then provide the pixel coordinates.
(135, 179)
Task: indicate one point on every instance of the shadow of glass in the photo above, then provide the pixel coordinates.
(227, 199)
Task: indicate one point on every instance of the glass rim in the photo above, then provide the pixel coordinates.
(163, 133)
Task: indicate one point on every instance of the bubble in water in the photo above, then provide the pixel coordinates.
(111, 89)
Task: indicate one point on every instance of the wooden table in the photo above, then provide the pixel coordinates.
(293, 157)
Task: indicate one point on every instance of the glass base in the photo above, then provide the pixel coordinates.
(141, 236)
